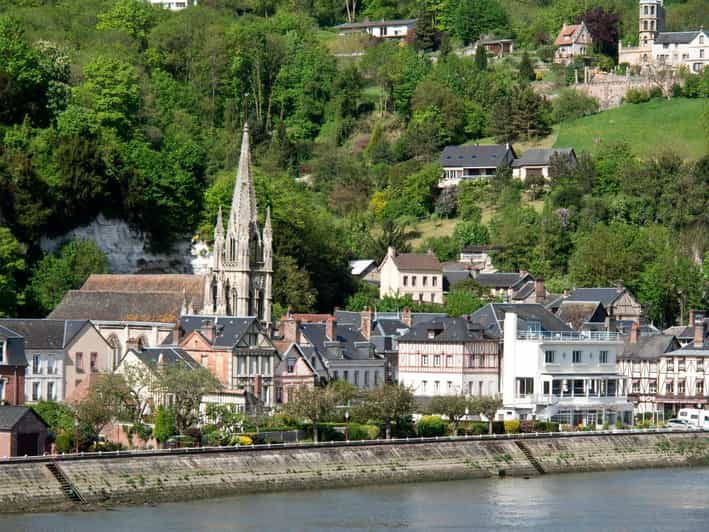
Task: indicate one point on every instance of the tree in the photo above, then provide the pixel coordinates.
(12, 264)
(461, 302)
(472, 18)
(454, 407)
(531, 114)
(604, 29)
(526, 70)
(447, 202)
(102, 404)
(54, 275)
(391, 404)
(59, 416)
(487, 405)
(186, 385)
(470, 233)
(343, 391)
(313, 404)
(292, 286)
(425, 35)
(165, 424)
(572, 104)
(480, 57)
(133, 17)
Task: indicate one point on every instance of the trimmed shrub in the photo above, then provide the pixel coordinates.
(245, 440)
(429, 426)
(363, 432)
(64, 442)
(637, 96)
(512, 427)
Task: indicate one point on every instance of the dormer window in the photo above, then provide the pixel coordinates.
(431, 334)
(3, 348)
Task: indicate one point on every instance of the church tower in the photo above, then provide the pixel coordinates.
(240, 280)
(651, 21)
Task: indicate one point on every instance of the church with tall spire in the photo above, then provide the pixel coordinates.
(240, 279)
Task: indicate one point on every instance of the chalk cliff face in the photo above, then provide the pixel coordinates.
(128, 250)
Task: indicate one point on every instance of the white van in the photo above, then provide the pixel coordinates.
(694, 416)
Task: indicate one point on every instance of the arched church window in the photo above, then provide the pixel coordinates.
(227, 298)
(116, 350)
(215, 295)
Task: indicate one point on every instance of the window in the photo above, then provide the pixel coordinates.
(546, 387)
(2, 390)
(449, 384)
(356, 378)
(241, 366)
(92, 362)
(669, 388)
(413, 280)
(700, 364)
(406, 280)
(433, 298)
(653, 367)
(335, 374)
(449, 361)
(437, 360)
(79, 361)
(670, 365)
(366, 379)
(434, 281)
(50, 392)
(437, 386)
(424, 385)
(51, 365)
(35, 391)
(290, 363)
(253, 365)
(576, 357)
(470, 361)
(534, 326)
(424, 360)
(480, 388)
(376, 378)
(279, 394)
(681, 364)
(701, 39)
(549, 356)
(700, 388)
(701, 53)
(653, 386)
(636, 386)
(2, 355)
(578, 387)
(524, 386)
(424, 280)
(681, 388)
(204, 361)
(36, 365)
(603, 357)
(346, 375)
(267, 365)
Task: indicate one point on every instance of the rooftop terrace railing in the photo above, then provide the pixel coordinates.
(571, 336)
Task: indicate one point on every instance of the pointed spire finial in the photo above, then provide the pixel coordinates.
(219, 228)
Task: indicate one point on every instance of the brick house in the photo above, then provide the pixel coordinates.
(294, 371)
(12, 367)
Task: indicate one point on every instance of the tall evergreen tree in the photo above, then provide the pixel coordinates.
(425, 36)
(481, 57)
(526, 70)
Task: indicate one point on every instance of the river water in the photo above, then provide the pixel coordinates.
(645, 500)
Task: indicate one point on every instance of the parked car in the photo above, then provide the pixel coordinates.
(676, 423)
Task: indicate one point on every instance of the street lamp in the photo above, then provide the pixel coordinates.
(76, 435)
(347, 426)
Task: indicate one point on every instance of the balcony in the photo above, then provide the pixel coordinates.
(570, 336)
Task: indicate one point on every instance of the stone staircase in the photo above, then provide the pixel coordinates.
(68, 488)
(526, 452)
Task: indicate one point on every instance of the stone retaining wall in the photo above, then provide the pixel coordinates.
(154, 478)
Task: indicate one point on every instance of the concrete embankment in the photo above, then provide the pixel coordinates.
(43, 484)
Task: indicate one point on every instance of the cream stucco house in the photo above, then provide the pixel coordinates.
(419, 275)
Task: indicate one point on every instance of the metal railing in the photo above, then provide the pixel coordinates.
(570, 336)
(330, 444)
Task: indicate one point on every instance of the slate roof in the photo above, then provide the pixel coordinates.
(451, 278)
(677, 37)
(417, 262)
(15, 352)
(416, 317)
(577, 313)
(170, 356)
(541, 156)
(492, 317)
(348, 317)
(162, 307)
(389, 327)
(44, 333)
(11, 416)
(347, 336)
(229, 329)
(360, 267)
(648, 347)
(376, 23)
(446, 330)
(605, 295)
(500, 280)
(477, 156)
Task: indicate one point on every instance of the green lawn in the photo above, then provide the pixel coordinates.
(649, 128)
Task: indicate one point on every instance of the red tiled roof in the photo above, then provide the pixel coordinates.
(566, 34)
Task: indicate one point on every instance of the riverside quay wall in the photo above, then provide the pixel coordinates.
(70, 482)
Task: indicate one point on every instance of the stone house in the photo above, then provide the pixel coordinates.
(574, 40)
(449, 356)
(619, 303)
(380, 29)
(12, 367)
(238, 351)
(22, 432)
(536, 162)
(419, 275)
(473, 162)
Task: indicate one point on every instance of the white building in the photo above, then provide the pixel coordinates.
(536, 162)
(419, 275)
(449, 356)
(574, 40)
(381, 29)
(566, 377)
(174, 5)
(473, 162)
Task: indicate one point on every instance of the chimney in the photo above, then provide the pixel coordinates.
(691, 318)
(391, 252)
(634, 332)
(699, 330)
(522, 273)
(540, 293)
(289, 313)
(619, 286)
(366, 319)
(406, 317)
(331, 329)
(291, 330)
(208, 330)
(177, 334)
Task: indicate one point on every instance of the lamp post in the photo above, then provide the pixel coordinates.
(76, 435)
(347, 425)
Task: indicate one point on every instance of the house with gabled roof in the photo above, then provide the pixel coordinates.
(419, 275)
(12, 367)
(536, 162)
(583, 315)
(574, 40)
(619, 302)
(22, 432)
(296, 369)
(473, 162)
(380, 29)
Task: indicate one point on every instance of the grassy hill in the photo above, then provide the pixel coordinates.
(651, 127)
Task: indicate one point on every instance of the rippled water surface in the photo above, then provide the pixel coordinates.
(666, 499)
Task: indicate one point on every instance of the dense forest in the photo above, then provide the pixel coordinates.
(119, 107)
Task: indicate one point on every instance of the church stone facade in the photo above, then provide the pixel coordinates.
(240, 279)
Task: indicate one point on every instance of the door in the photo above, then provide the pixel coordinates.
(27, 444)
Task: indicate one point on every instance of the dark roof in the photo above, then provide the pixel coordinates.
(501, 280)
(446, 330)
(170, 355)
(677, 37)
(451, 278)
(376, 23)
(11, 416)
(15, 352)
(479, 249)
(389, 327)
(650, 346)
(541, 156)
(492, 316)
(477, 156)
(162, 307)
(229, 329)
(416, 317)
(605, 295)
(348, 344)
(44, 333)
(417, 262)
(578, 313)
(348, 317)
